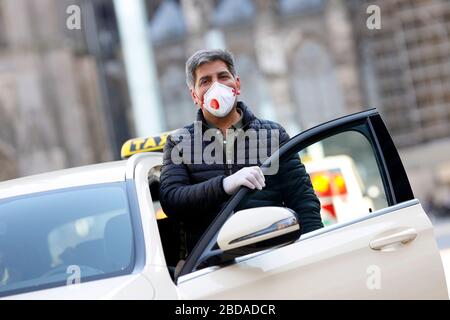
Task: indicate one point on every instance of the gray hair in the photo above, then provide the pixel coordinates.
(205, 56)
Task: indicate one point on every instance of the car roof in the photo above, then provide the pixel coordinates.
(113, 171)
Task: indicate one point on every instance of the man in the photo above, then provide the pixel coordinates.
(194, 191)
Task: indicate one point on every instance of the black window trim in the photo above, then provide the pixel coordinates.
(372, 119)
(393, 169)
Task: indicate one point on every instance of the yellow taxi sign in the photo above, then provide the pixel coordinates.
(139, 145)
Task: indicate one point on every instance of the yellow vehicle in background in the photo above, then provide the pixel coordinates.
(339, 187)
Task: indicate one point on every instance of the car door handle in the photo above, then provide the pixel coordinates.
(403, 237)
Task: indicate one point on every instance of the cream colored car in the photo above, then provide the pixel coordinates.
(97, 232)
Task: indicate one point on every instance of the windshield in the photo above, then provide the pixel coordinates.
(64, 237)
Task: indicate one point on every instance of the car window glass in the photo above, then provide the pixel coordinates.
(342, 172)
(68, 234)
(345, 177)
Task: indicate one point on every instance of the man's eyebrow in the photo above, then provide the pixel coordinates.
(225, 72)
(204, 77)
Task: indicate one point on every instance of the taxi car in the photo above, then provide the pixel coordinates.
(97, 232)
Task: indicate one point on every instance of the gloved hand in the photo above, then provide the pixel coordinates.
(251, 177)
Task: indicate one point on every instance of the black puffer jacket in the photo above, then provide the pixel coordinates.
(194, 194)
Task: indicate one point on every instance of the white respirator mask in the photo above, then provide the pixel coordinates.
(219, 99)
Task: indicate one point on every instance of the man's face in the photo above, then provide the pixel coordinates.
(207, 74)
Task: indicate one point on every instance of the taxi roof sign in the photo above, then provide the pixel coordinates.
(140, 145)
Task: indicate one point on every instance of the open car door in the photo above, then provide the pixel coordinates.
(379, 245)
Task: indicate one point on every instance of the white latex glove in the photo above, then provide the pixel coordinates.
(251, 177)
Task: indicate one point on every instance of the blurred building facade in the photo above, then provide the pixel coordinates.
(292, 68)
(53, 112)
(409, 66)
(301, 62)
(405, 68)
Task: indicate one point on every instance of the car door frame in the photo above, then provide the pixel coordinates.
(369, 123)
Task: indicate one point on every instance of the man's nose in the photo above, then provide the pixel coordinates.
(213, 79)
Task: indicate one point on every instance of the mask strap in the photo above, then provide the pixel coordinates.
(202, 101)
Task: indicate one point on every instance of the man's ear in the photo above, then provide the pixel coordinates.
(194, 97)
(238, 85)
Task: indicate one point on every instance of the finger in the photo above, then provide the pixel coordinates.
(248, 184)
(260, 179)
(254, 181)
(260, 176)
(260, 173)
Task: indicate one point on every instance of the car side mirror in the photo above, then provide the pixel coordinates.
(257, 229)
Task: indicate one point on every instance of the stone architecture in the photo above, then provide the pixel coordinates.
(406, 65)
(51, 114)
(303, 62)
(292, 69)
(64, 100)
(405, 68)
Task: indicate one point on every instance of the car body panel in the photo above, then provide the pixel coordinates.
(155, 269)
(92, 174)
(338, 264)
(134, 286)
(323, 270)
